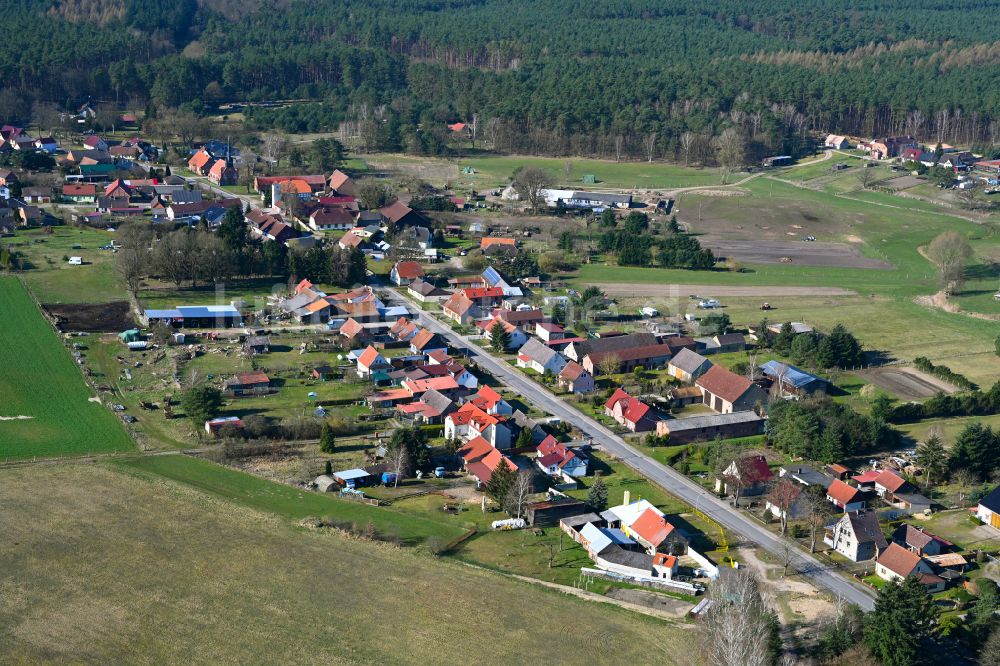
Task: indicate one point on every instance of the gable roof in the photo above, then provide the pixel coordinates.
(722, 382)
(890, 480)
(615, 343)
(688, 361)
(409, 270)
(486, 398)
(423, 338)
(632, 353)
(369, 356)
(916, 537)
(864, 525)
(842, 492)
(244, 378)
(395, 211)
(899, 560)
(572, 371)
(199, 159)
(458, 303)
(633, 410)
(992, 500)
(488, 241)
(351, 328)
(652, 527)
(535, 350)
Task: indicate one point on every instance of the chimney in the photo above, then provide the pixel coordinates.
(626, 497)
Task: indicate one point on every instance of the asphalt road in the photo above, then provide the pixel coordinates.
(667, 478)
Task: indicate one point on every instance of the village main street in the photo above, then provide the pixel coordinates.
(719, 510)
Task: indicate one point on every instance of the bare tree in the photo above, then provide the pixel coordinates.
(567, 170)
(782, 496)
(610, 364)
(866, 177)
(752, 355)
(949, 252)
(688, 140)
(273, 147)
(816, 510)
(132, 259)
(650, 144)
(517, 496)
(730, 148)
(530, 184)
(619, 146)
(963, 479)
(398, 460)
(738, 627)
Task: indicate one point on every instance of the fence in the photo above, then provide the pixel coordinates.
(675, 585)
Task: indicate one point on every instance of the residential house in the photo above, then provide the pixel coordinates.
(94, 142)
(491, 402)
(398, 215)
(688, 365)
(549, 332)
(647, 525)
(484, 468)
(352, 331)
(488, 242)
(425, 292)
(460, 309)
(8, 178)
(726, 392)
(630, 412)
(541, 358)
(36, 195)
(558, 460)
(792, 380)
(340, 183)
(846, 497)
(431, 409)
(469, 422)
(837, 142)
(516, 337)
(866, 481)
(710, 426)
(919, 540)
(405, 272)
(426, 342)
(857, 536)
(248, 383)
(199, 163)
(805, 475)
(47, 144)
(793, 504)
(988, 509)
(521, 421)
(323, 372)
(574, 378)
(748, 474)
(403, 330)
(524, 317)
(576, 351)
(331, 219)
(898, 563)
(888, 147)
(352, 239)
(627, 359)
(722, 344)
(82, 193)
(370, 362)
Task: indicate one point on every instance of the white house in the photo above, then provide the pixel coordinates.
(539, 357)
(988, 509)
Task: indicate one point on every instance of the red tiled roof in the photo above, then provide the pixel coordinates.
(368, 357)
(423, 338)
(572, 371)
(245, 378)
(351, 328)
(409, 270)
(899, 560)
(486, 398)
(867, 477)
(722, 382)
(842, 493)
(475, 449)
(199, 159)
(458, 303)
(890, 480)
(477, 293)
(79, 190)
(418, 386)
(488, 241)
(395, 211)
(652, 527)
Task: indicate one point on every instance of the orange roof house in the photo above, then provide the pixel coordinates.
(489, 241)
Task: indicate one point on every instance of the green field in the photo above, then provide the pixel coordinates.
(39, 380)
(293, 503)
(53, 280)
(495, 170)
(102, 566)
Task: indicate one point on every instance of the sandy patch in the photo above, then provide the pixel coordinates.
(851, 238)
(906, 383)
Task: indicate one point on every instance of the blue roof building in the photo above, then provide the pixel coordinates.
(196, 316)
(793, 379)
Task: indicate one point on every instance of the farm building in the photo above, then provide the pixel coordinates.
(704, 428)
(196, 316)
(248, 383)
(688, 366)
(727, 392)
(792, 379)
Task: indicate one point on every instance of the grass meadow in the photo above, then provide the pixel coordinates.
(115, 567)
(39, 380)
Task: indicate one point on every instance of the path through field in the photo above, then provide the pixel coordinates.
(714, 291)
